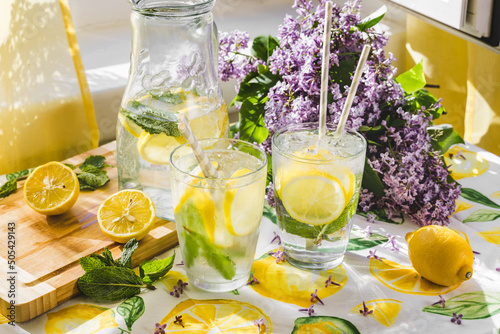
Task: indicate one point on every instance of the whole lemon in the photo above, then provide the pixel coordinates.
(440, 255)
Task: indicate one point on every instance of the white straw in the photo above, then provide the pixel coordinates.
(352, 90)
(206, 166)
(325, 69)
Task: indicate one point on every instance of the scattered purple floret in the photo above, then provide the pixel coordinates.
(310, 310)
(329, 282)
(314, 296)
(441, 301)
(474, 252)
(278, 255)
(259, 323)
(457, 318)
(392, 243)
(253, 280)
(160, 329)
(365, 310)
(180, 263)
(276, 237)
(372, 255)
(371, 218)
(178, 289)
(368, 231)
(497, 269)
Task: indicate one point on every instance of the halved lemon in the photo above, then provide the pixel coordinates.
(314, 199)
(216, 315)
(156, 148)
(240, 214)
(385, 311)
(51, 189)
(405, 279)
(127, 214)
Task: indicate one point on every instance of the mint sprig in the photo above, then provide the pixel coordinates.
(93, 175)
(10, 186)
(107, 279)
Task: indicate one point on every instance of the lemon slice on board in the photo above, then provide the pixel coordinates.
(240, 215)
(127, 214)
(51, 189)
(314, 199)
(156, 148)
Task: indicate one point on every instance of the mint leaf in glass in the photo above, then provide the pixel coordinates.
(150, 120)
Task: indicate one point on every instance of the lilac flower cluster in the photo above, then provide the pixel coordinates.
(413, 174)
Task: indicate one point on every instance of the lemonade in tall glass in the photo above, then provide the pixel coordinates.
(218, 220)
(147, 133)
(316, 187)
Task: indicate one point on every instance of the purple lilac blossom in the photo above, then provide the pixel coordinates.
(412, 172)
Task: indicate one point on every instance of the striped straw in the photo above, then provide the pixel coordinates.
(206, 166)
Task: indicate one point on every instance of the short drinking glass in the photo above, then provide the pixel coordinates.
(316, 188)
(218, 220)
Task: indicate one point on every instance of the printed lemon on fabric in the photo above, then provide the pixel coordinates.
(323, 325)
(461, 206)
(170, 280)
(405, 279)
(86, 318)
(463, 163)
(492, 236)
(220, 315)
(385, 311)
(283, 282)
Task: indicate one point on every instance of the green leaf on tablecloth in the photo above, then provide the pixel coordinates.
(476, 196)
(8, 188)
(110, 283)
(235, 292)
(381, 215)
(90, 263)
(131, 310)
(483, 215)
(359, 241)
(325, 324)
(472, 305)
(153, 270)
(128, 251)
(270, 213)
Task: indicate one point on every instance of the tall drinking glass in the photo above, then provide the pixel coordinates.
(316, 187)
(218, 220)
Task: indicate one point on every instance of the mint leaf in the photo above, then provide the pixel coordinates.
(73, 167)
(166, 97)
(96, 161)
(153, 270)
(8, 188)
(131, 310)
(128, 251)
(413, 79)
(110, 283)
(92, 180)
(106, 258)
(152, 121)
(18, 175)
(90, 263)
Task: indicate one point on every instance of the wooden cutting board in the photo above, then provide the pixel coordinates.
(48, 249)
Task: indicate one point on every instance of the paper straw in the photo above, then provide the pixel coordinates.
(353, 89)
(206, 166)
(325, 70)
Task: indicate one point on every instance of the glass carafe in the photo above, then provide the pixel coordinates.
(173, 69)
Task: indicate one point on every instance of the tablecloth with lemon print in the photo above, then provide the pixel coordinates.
(374, 291)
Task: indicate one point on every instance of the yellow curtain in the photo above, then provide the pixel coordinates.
(468, 79)
(46, 112)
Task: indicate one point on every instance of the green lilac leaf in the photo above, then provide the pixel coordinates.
(342, 74)
(422, 98)
(413, 79)
(90, 263)
(359, 241)
(8, 188)
(128, 251)
(153, 270)
(443, 137)
(472, 305)
(264, 46)
(372, 20)
(92, 180)
(371, 181)
(476, 196)
(131, 310)
(483, 215)
(152, 121)
(18, 175)
(328, 325)
(252, 126)
(110, 283)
